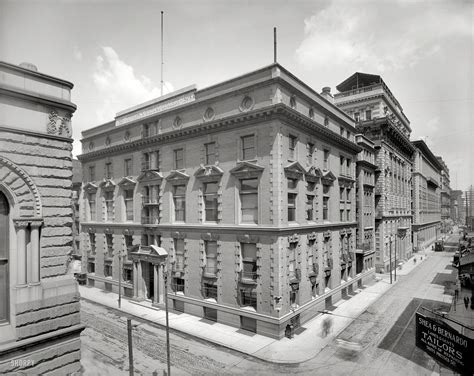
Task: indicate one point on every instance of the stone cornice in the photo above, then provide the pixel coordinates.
(6, 128)
(279, 111)
(31, 96)
(29, 72)
(228, 229)
(364, 163)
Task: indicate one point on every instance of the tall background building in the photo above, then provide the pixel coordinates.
(380, 118)
(426, 195)
(445, 197)
(39, 302)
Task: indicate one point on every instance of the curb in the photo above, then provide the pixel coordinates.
(199, 339)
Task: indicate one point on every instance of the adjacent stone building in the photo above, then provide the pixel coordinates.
(365, 204)
(426, 196)
(39, 303)
(380, 118)
(242, 193)
(445, 197)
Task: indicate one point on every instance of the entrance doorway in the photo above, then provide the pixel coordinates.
(149, 278)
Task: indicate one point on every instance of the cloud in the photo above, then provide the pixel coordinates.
(389, 36)
(119, 87)
(77, 53)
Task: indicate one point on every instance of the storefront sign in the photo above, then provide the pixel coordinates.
(445, 344)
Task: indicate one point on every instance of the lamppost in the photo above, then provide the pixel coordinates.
(165, 275)
(390, 262)
(120, 280)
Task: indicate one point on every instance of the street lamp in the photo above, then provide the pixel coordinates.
(165, 275)
(120, 280)
(390, 261)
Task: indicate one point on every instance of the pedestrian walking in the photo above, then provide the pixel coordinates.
(466, 302)
(326, 326)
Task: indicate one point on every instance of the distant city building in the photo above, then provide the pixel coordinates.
(468, 205)
(39, 303)
(380, 118)
(243, 192)
(426, 192)
(445, 197)
(365, 204)
(457, 209)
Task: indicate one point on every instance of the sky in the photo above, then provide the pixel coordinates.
(111, 51)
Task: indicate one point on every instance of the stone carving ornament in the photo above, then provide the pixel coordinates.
(61, 129)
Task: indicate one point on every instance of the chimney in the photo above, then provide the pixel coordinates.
(326, 93)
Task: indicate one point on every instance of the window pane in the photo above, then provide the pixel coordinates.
(249, 185)
(179, 190)
(249, 204)
(210, 188)
(249, 251)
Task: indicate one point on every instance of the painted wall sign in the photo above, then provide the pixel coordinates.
(445, 344)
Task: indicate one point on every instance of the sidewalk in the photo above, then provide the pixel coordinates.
(300, 348)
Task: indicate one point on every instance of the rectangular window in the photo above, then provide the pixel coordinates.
(127, 273)
(292, 207)
(210, 201)
(179, 159)
(248, 298)
(248, 147)
(292, 260)
(368, 115)
(342, 168)
(92, 242)
(128, 199)
(294, 297)
(249, 261)
(107, 270)
(249, 200)
(178, 285)
(91, 173)
(311, 149)
(348, 215)
(108, 170)
(348, 167)
(179, 254)
(342, 197)
(326, 160)
(92, 206)
(325, 208)
(179, 200)
(211, 257)
(356, 116)
(151, 161)
(341, 215)
(292, 140)
(210, 153)
(110, 245)
(109, 205)
(348, 195)
(127, 167)
(210, 290)
(309, 207)
(128, 241)
(91, 267)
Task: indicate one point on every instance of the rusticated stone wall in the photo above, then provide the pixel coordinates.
(42, 332)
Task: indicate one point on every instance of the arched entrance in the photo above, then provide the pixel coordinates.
(4, 257)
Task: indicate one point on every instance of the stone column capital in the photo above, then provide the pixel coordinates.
(21, 223)
(36, 223)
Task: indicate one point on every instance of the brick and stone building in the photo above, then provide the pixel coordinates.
(380, 118)
(365, 204)
(39, 302)
(426, 195)
(242, 193)
(445, 197)
(457, 208)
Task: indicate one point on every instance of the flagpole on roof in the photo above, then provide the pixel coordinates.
(162, 53)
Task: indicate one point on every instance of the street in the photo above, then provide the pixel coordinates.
(385, 333)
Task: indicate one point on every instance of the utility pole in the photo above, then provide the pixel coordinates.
(130, 350)
(274, 44)
(120, 280)
(165, 274)
(390, 262)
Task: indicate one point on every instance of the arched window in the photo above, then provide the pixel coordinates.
(4, 255)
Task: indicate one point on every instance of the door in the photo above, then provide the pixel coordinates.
(4, 258)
